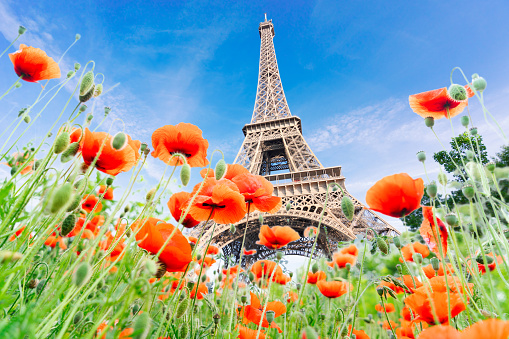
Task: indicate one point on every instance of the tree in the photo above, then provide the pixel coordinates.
(502, 157)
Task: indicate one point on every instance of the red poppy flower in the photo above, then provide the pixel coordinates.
(436, 102)
(17, 233)
(313, 278)
(277, 236)
(33, 64)
(232, 270)
(201, 290)
(212, 250)
(352, 250)
(126, 334)
(265, 268)
(193, 240)
(407, 314)
(91, 228)
(53, 240)
(386, 326)
(109, 192)
(433, 233)
(110, 160)
(247, 333)
(183, 138)
(207, 262)
(389, 308)
(292, 297)
(232, 170)
(253, 312)
(282, 279)
(359, 334)
(310, 231)
(396, 195)
(409, 250)
(421, 304)
(492, 261)
(333, 289)
(219, 200)
(177, 205)
(91, 204)
(341, 259)
(249, 252)
(257, 192)
(152, 235)
(430, 272)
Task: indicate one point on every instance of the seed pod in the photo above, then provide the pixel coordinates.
(61, 142)
(119, 141)
(457, 92)
(468, 191)
(75, 203)
(182, 307)
(421, 156)
(417, 257)
(21, 30)
(491, 167)
(269, 315)
(143, 146)
(77, 317)
(82, 274)
(347, 207)
(77, 66)
(107, 111)
(473, 131)
(98, 90)
(216, 318)
(61, 198)
(68, 224)
(142, 326)
(109, 181)
(27, 119)
(451, 219)
(397, 242)
(185, 174)
(70, 74)
(429, 122)
(314, 268)
(233, 229)
(435, 263)
(279, 255)
(70, 152)
(220, 169)
(432, 189)
(465, 120)
(380, 291)
(479, 84)
(87, 82)
(382, 245)
(243, 299)
(288, 206)
(150, 195)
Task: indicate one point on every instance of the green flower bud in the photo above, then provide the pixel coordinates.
(150, 194)
(107, 111)
(90, 117)
(469, 154)
(220, 170)
(82, 274)
(78, 36)
(479, 84)
(143, 146)
(87, 83)
(298, 286)
(451, 219)
(98, 90)
(288, 206)
(491, 167)
(421, 156)
(14, 169)
(70, 74)
(27, 119)
(61, 142)
(77, 66)
(21, 30)
(260, 218)
(216, 318)
(468, 191)
(465, 120)
(119, 141)
(185, 174)
(397, 242)
(251, 276)
(279, 255)
(243, 299)
(380, 291)
(269, 315)
(429, 122)
(480, 259)
(61, 198)
(70, 152)
(457, 92)
(109, 181)
(182, 307)
(136, 309)
(127, 208)
(417, 257)
(233, 229)
(335, 188)
(18, 85)
(348, 266)
(347, 207)
(435, 263)
(432, 189)
(68, 224)
(473, 131)
(382, 245)
(142, 326)
(314, 268)
(32, 283)
(77, 317)
(442, 179)
(184, 330)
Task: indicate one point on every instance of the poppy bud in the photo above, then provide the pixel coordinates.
(457, 92)
(150, 266)
(136, 309)
(77, 317)
(50, 135)
(243, 299)
(68, 224)
(150, 194)
(78, 36)
(429, 122)
(182, 307)
(465, 120)
(451, 219)
(70, 74)
(491, 167)
(480, 259)
(382, 245)
(185, 174)
(220, 169)
(399, 268)
(279, 255)
(61, 198)
(70, 152)
(82, 274)
(417, 257)
(470, 154)
(468, 191)
(14, 169)
(347, 207)
(335, 188)
(127, 208)
(61, 142)
(203, 278)
(7, 256)
(90, 117)
(27, 119)
(251, 276)
(75, 203)
(435, 263)
(380, 291)
(161, 269)
(479, 83)
(298, 286)
(288, 206)
(119, 141)
(397, 242)
(21, 30)
(184, 330)
(198, 256)
(233, 229)
(290, 274)
(421, 156)
(442, 178)
(432, 189)
(98, 90)
(269, 315)
(348, 266)
(87, 83)
(32, 283)
(216, 318)
(18, 85)
(260, 218)
(473, 131)
(77, 66)
(314, 268)
(142, 326)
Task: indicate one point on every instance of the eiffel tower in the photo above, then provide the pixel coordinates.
(275, 148)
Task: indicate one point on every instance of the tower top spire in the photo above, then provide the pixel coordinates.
(265, 17)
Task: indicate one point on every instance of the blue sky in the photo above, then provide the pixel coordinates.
(347, 70)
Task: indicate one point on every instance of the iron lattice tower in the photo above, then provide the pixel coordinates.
(274, 142)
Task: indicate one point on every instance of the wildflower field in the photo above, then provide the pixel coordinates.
(81, 257)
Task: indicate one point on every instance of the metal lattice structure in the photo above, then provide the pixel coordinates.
(274, 143)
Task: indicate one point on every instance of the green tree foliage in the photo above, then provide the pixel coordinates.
(502, 157)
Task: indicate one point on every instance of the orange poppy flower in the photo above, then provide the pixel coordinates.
(193, 240)
(91, 204)
(265, 268)
(247, 333)
(183, 138)
(257, 192)
(249, 252)
(396, 195)
(53, 240)
(421, 304)
(18, 159)
(442, 332)
(110, 160)
(389, 308)
(492, 261)
(109, 192)
(433, 233)
(282, 279)
(152, 233)
(233, 270)
(313, 278)
(277, 236)
(408, 251)
(207, 262)
(219, 200)
(386, 326)
(359, 334)
(310, 231)
(430, 272)
(406, 329)
(201, 290)
(489, 328)
(407, 314)
(177, 204)
(410, 282)
(333, 289)
(213, 250)
(253, 312)
(341, 259)
(232, 170)
(17, 233)
(33, 64)
(352, 250)
(435, 103)
(292, 297)
(126, 334)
